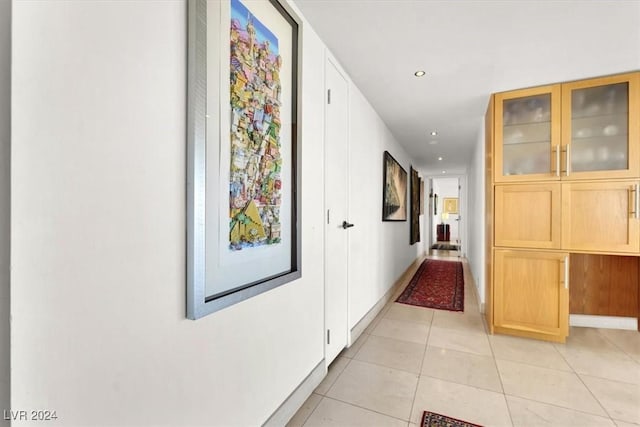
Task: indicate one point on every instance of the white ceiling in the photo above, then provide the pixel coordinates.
(469, 49)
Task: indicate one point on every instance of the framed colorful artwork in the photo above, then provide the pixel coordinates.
(415, 207)
(243, 186)
(394, 190)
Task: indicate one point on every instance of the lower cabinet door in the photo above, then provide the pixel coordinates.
(531, 294)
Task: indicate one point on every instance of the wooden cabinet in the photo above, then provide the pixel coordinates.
(528, 215)
(601, 217)
(600, 128)
(587, 129)
(489, 214)
(531, 294)
(527, 134)
(443, 233)
(564, 165)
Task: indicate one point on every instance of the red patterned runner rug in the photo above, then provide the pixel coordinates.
(431, 419)
(436, 284)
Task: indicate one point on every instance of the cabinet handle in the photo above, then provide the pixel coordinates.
(635, 213)
(565, 264)
(557, 150)
(637, 202)
(568, 159)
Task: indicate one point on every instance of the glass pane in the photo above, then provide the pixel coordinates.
(599, 128)
(526, 135)
(523, 159)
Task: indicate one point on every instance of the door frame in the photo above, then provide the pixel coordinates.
(462, 209)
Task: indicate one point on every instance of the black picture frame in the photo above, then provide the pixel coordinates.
(394, 190)
(414, 229)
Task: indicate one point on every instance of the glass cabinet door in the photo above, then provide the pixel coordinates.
(600, 128)
(527, 134)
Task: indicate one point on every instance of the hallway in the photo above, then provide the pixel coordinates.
(412, 359)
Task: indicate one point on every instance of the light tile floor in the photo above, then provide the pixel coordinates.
(412, 359)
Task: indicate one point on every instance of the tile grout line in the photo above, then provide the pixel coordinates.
(562, 407)
(573, 370)
(366, 409)
(459, 383)
(424, 355)
(518, 397)
(330, 386)
(388, 367)
(304, 422)
(596, 397)
(617, 346)
(377, 320)
(504, 394)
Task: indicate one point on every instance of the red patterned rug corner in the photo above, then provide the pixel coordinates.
(431, 419)
(436, 284)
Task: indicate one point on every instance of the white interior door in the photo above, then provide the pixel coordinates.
(336, 199)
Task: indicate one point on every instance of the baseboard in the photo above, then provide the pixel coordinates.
(360, 327)
(605, 322)
(366, 320)
(290, 406)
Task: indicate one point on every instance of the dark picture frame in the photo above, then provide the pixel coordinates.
(394, 190)
(415, 207)
(421, 196)
(243, 167)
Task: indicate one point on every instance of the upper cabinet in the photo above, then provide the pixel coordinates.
(587, 129)
(527, 134)
(600, 127)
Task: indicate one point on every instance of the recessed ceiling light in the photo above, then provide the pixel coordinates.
(434, 133)
(419, 73)
(444, 171)
(439, 158)
(434, 142)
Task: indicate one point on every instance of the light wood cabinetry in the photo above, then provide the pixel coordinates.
(528, 216)
(588, 129)
(531, 294)
(527, 134)
(600, 128)
(565, 163)
(595, 216)
(601, 217)
(489, 215)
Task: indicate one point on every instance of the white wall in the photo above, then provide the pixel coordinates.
(5, 155)
(476, 214)
(98, 238)
(379, 251)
